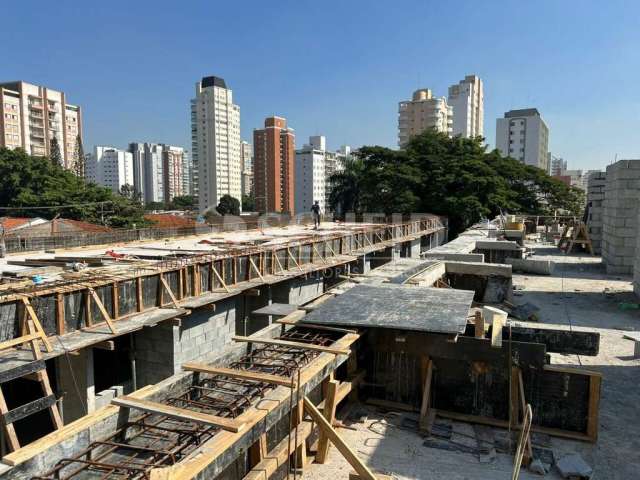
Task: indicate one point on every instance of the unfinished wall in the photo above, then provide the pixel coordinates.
(161, 350)
(620, 219)
(595, 198)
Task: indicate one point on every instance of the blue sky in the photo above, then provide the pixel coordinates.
(337, 68)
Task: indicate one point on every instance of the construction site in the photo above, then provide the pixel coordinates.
(355, 350)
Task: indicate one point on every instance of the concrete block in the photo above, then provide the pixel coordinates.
(540, 267)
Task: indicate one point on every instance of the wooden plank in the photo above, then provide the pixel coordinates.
(215, 272)
(22, 370)
(594, 407)
(18, 341)
(234, 373)
(30, 408)
(178, 413)
(337, 440)
(252, 263)
(287, 343)
(9, 430)
(32, 314)
(313, 326)
(139, 299)
(426, 396)
(278, 457)
(479, 325)
(109, 345)
(329, 413)
(258, 450)
(115, 300)
(103, 311)
(60, 323)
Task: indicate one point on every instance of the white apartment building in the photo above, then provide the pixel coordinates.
(110, 167)
(215, 135)
(32, 116)
(557, 165)
(466, 100)
(314, 166)
(422, 112)
(523, 135)
(158, 171)
(187, 173)
(246, 150)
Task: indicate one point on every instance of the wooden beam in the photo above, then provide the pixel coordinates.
(337, 440)
(426, 397)
(178, 413)
(234, 373)
(139, 298)
(103, 310)
(60, 323)
(252, 263)
(329, 413)
(165, 285)
(106, 345)
(313, 326)
(215, 272)
(258, 450)
(287, 343)
(479, 325)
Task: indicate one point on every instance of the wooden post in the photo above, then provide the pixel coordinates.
(426, 398)
(362, 470)
(139, 300)
(301, 450)
(479, 324)
(60, 324)
(115, 300)
(330, 414)
(258, 451)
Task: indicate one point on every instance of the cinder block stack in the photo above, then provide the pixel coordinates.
(620, 219)
(595, 198)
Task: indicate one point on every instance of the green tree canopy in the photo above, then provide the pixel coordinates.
(455, 177)
(32, 183)
(183, 202)
(248, 203)
(228, 205)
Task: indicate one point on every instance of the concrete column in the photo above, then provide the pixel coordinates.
(415, 248)
(77, 383)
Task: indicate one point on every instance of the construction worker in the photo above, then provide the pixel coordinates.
(315, 209)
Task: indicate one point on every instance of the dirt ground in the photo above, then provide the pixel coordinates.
(578, 295)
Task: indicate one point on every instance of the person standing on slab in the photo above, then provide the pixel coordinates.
(315, 208)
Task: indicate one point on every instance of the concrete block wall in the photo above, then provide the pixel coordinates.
(620, 216)
(161, 350)
(595, 199)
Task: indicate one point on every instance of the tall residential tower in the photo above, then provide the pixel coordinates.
(467, 102)
(32, 116)
(215, 136)
(422, 112)
(274, 149)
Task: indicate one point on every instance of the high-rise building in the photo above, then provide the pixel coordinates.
(32, 116)
(558, 165)
(467, 102)
(274, 166)
(187, 173)
(523, 135)
(247, 168)
(215, 136)
(110, 167)
(172, 171)
(157, 171)
(314, 167)
(422, 112)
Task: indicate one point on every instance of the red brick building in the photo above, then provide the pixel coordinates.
(274, 152)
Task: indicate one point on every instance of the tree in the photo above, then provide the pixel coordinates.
(79, 166)
(454, 177)
(248, 203)
(183, 202)
(54, 148)
(34, 182)
(228, 205)
(154, 206)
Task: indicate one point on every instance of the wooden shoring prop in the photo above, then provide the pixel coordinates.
(293, 258)
(253, 264)
(31, 313)
(362, 470)
(329, 413)
(215, 272)
(315, 249)
(523, 441)
(426, 398)
(103, 311)
(165, 285)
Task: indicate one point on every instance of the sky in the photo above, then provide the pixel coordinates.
(335, 68)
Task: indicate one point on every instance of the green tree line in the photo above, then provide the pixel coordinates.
(455, 177)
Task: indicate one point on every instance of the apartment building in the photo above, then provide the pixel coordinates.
(31, 116)
(422, 112)
(215, 135)
(314, 167)
(187, 173)
(524, 135)
(247, 167)
(158, 171)
(110, 167)
(557, 165)
(466, 100)
(274, 166)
